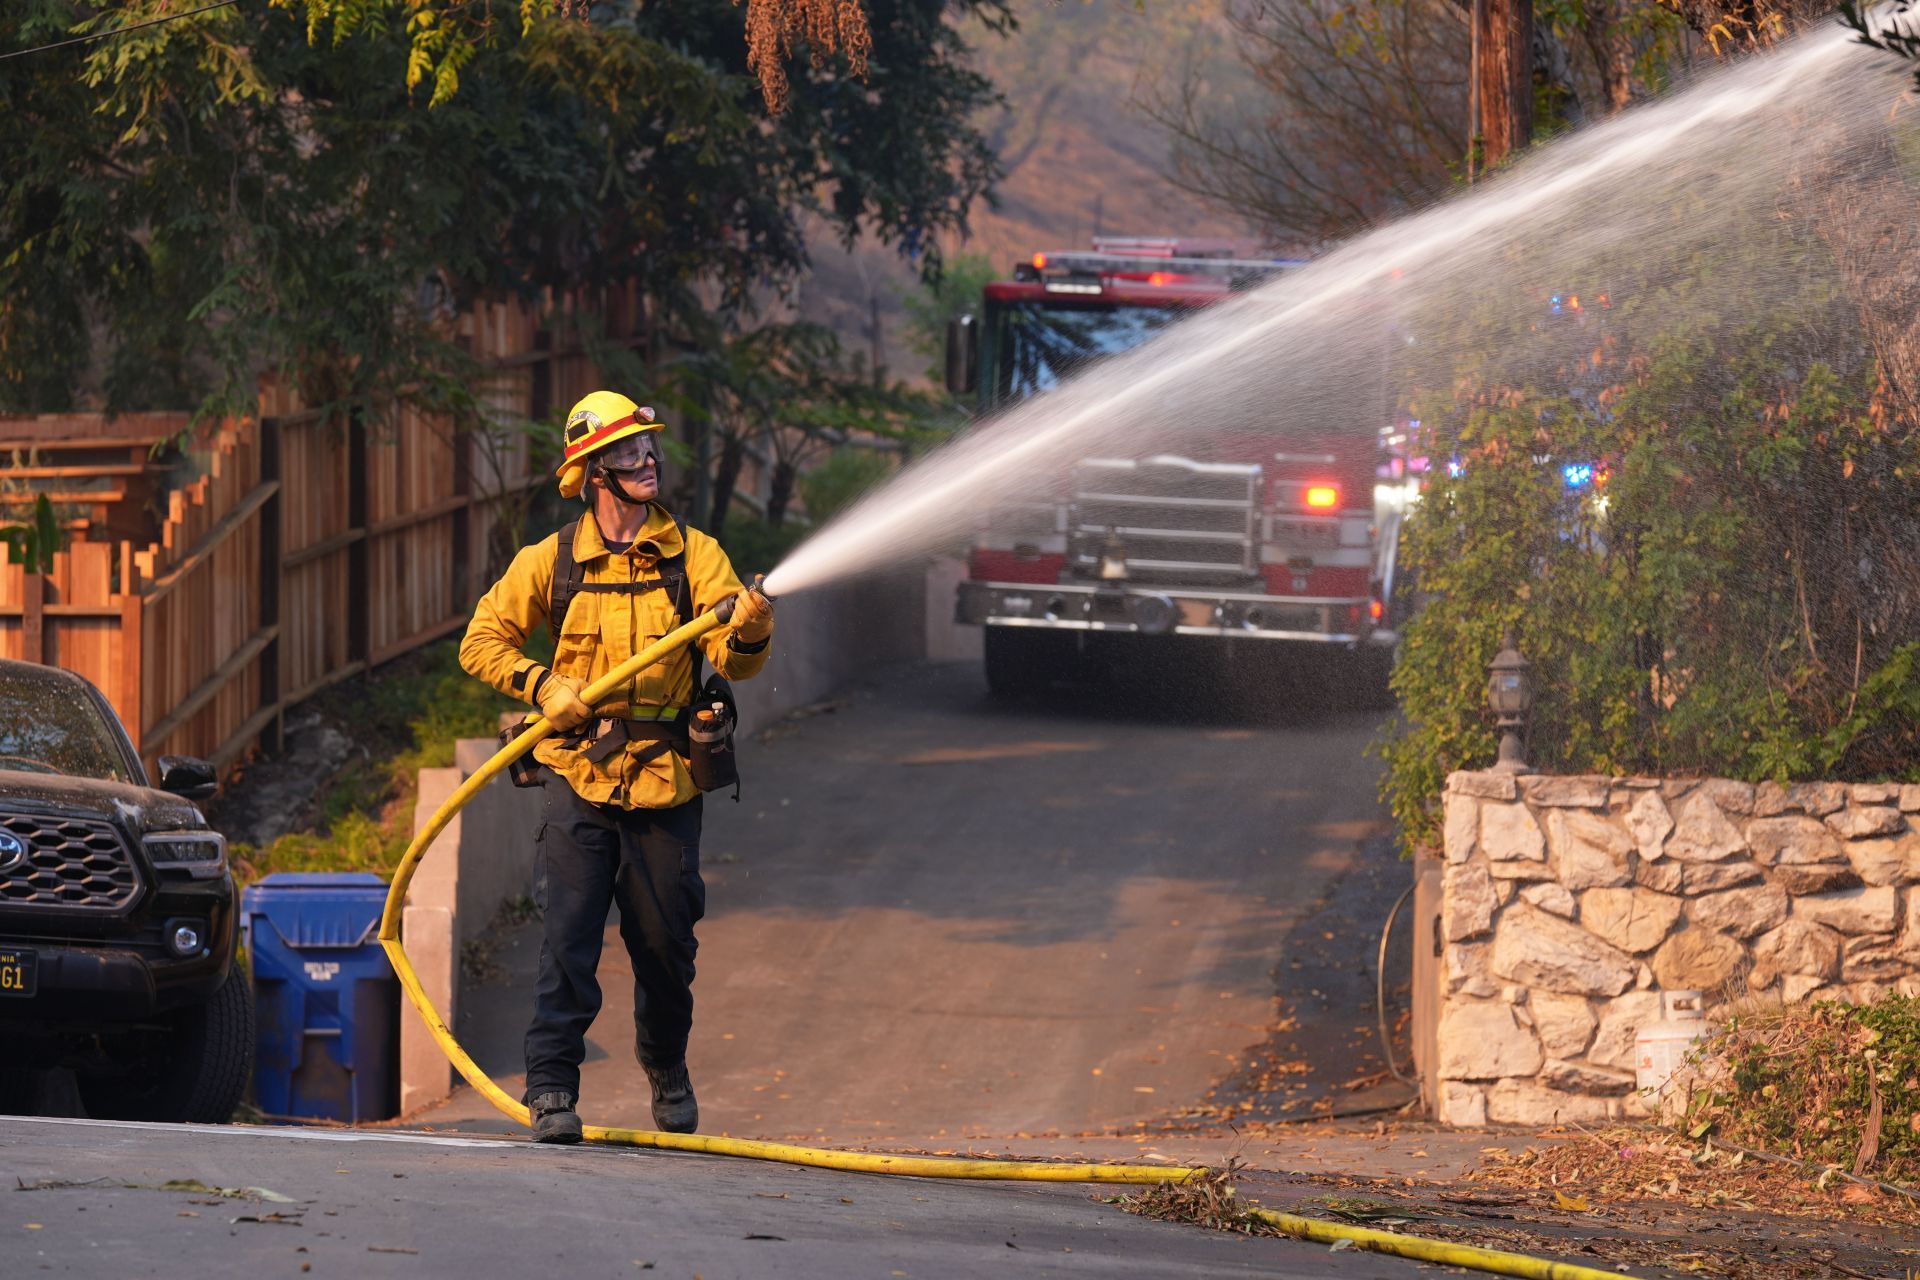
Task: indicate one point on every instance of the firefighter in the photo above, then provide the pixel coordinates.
(621, 809)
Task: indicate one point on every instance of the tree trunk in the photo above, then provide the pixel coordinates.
(1505, 76)
(725, 476)
(1612, 53)
(780, 492)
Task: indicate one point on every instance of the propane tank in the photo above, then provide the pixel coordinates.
(1660, 1048)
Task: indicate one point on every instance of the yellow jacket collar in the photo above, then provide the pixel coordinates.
(659, 530)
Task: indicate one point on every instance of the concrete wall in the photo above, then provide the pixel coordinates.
(826, 637)
(482, 859)
(947, 640)
(1568, 904)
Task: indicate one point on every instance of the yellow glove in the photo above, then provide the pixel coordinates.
(752, 617)
(560, 703)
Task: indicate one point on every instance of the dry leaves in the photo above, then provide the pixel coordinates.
(1620, 1165)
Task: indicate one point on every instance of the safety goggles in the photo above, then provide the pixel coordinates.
(630, 454)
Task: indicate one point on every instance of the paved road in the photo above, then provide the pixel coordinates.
(936, 920)
(364, 1204)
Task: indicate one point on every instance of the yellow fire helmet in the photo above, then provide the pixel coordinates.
(598, 420)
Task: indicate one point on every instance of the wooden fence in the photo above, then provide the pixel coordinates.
(307, 552)
(102, 474)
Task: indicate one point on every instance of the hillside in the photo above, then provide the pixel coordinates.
(1080, 153)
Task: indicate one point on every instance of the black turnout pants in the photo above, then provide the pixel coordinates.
(592, 856)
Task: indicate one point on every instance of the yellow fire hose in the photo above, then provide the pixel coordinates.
(851, 1161)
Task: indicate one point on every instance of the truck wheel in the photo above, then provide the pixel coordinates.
(197, 1072)
(1021, 663)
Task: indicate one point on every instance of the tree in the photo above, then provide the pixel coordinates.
(1892, 31)
(1361, 114)
(957, 292)
(787, 390)
(1504, 76)
(445, 35)
(222, 195)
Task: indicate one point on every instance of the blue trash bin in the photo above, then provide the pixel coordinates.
(325, 999)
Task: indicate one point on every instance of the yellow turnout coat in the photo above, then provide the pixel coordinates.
(602, 630)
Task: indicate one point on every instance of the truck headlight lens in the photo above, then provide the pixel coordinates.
(1155, 615)
(203, 854)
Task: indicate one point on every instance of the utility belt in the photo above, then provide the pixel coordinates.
(701, 734)
(600, 738)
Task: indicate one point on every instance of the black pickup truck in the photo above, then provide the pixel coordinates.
(117, 916)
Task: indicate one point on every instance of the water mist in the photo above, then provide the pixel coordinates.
(1306, 350)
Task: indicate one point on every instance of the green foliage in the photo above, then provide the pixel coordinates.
(791, 389)
(837, 483)
(1736, 595)
(407, 716)
(754, 546)
(33, 544)
(1806, 1082)
(956, 292)
(255, 188)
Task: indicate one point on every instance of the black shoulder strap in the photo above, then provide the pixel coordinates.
(566, 579)
(683, 596)
(675, 567)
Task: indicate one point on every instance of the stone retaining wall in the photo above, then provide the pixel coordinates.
(1569, 903)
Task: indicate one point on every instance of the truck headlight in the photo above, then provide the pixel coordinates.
(1155, 615)
(202, 854)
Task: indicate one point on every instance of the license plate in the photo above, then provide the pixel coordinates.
(19, 973)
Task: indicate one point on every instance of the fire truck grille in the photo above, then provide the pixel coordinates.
(1172, 520)
(68, 862)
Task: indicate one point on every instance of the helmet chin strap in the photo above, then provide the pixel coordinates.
(619, 490)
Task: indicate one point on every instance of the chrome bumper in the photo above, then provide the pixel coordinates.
(1148, 610)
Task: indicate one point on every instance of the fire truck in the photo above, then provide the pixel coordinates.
(1269, 549)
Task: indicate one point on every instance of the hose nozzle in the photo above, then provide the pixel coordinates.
(724, 610)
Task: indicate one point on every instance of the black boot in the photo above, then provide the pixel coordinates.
(675, 1109)
(554, 1119)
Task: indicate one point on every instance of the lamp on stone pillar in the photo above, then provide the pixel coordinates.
(1510, 696)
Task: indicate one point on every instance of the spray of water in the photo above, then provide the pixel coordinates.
(1307, 350)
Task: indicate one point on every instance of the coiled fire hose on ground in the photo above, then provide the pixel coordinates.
(1491, 1260)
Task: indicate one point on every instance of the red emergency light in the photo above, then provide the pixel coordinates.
(1323, 496)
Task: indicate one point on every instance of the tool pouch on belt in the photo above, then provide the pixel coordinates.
(710, 757)
(524, 772)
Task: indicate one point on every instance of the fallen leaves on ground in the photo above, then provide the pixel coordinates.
(1207, 1200)
(1623, 1164)
(1540, 1219)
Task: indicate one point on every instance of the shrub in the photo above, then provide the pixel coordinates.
(754, 546)
(1737, 589)
(841, 480)
(405, 716)
(1818, 1082)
